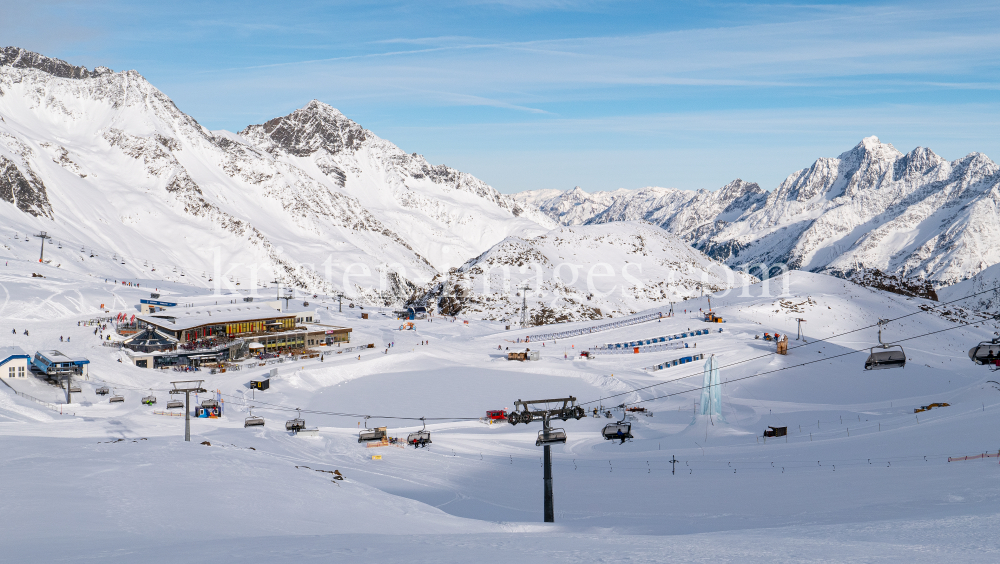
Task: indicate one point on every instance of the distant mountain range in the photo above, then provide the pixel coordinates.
(913, 215)
(126, 183)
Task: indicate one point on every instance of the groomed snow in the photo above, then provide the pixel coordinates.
(865, 479)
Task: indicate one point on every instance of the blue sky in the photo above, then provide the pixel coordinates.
(559, 93)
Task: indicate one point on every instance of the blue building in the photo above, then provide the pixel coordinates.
(55, 363)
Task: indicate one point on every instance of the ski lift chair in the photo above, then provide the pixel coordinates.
(149, 400)
(987, 352)
(297, 424)
(371, 435)
(209, 403)
(75, 389)
(420, 438)
(253, 421)
(551, 437)
(117, 399)
(890, 356)
(177, 404)
(103, 391)
(621, 431)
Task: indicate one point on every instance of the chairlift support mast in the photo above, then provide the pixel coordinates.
(567, 410)
(524, 304)
(43, 236)
(186, 387)
(800, 320)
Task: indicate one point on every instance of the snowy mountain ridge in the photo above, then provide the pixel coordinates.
(581, 272)
(914, 215)
(103, 160)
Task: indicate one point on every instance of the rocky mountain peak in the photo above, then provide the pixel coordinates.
(19, 58)
(309, 129)
(870, 150)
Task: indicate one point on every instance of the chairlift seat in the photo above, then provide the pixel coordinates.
(617, 431)
(74, 389)
(209, 403)
(149, 400)
(253, 421)
(889, 357)
(295, 424)
(551, 437)
(985, 353)
(103, 391)
(371, 435)
(419, 439)
(116, 399)
(175, 405)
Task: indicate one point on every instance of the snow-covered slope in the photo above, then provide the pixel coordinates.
(105, 161)
(914, 215)
(581, 272)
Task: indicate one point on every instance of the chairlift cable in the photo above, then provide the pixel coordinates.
(775, 370)
(814, 341)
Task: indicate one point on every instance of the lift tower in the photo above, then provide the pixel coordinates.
(186, 387)
(43, 236)
(547, 436)
(524, 304)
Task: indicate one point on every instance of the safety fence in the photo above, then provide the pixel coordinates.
(630, 345)
(49, 405)
(636, 349)
(675, 362)
(596, 328)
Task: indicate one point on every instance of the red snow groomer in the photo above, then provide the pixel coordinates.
(497, 415)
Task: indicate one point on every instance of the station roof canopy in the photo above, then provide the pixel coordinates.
(179, 319)
(54, 356)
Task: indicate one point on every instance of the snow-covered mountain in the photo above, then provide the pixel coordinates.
(104, 161)
(581, 272)
(913, 215)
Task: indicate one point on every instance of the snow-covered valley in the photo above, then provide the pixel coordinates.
(859, 477)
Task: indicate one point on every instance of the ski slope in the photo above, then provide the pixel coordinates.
(860, 476)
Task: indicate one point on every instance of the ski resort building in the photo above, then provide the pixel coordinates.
(13, 362)
(195, 335)
(55, 363)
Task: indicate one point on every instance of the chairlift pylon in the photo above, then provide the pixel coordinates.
(891, 356)
(420, 438)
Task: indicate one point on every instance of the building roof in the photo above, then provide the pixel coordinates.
(7, 353)
(181, 318)
(56, 356)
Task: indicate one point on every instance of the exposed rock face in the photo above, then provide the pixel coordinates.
(24, 191)
(19, 58)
